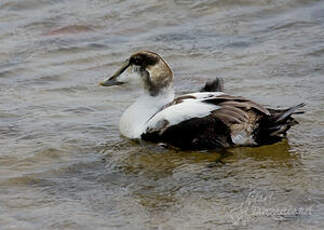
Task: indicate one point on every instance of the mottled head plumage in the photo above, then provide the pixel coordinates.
(154, 71)
(144, 59)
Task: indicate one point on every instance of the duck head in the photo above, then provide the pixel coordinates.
(152, 69)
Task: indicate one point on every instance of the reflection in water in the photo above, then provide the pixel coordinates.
(280, 153)
(158, 179)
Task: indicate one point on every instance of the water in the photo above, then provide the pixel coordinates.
(63, 163)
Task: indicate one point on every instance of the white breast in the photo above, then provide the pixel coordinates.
(133, 121)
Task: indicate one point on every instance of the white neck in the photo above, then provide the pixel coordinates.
(133, 121)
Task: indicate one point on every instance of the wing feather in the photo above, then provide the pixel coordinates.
(237, 114)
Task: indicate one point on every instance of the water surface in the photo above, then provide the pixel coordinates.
(63, 163)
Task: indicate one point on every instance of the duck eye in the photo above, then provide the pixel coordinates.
(136, 61)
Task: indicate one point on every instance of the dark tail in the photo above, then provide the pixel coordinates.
(216, 85)
(275, 127)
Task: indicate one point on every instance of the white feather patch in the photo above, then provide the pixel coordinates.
(189, 108)
(204, 95)
(243, 138)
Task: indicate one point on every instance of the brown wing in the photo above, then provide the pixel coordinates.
(238, 113)
(237, 121)
(233, 109)
(232, 116)
(238, 102)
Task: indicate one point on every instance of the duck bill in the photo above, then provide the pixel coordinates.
(113, 79)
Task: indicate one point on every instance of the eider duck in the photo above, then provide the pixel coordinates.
(195, 121)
